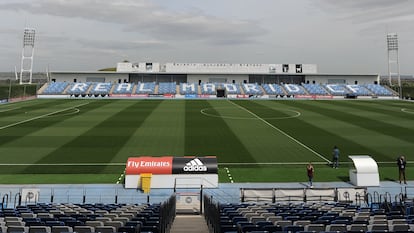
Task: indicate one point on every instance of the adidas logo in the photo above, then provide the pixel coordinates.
(195, 165)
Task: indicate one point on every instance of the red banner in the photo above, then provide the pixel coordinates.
(169, 95)
(154, 165)
(314, 97)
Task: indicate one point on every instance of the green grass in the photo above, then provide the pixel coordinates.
(89, 141)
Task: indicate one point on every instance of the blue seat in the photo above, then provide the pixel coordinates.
(293, 228)
(249, 228)
(146, 228)
(272, 228)
(130, 229)
(228, 228)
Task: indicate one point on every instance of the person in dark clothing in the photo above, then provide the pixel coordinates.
(310, 171)
(335, 157)
(401, 162)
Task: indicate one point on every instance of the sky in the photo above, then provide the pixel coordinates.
(340, 37)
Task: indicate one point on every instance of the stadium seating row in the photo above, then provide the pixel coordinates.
(305, 217)
(57, 88)
(83, 218)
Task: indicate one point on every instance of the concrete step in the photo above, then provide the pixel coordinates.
(189, 224)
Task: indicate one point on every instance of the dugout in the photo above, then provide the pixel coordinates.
(364, 171)
(169, 172)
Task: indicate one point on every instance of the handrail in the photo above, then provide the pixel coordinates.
(358, 199)
(18, 198)
(387, 197)
(376, 197)
(347, 196)
(52, 195)
(399, 196)
(5, 198)
(201, 179)
(368, 198)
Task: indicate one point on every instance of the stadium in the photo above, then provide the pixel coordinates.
(204, 147)
(212, 80)
(90, 151)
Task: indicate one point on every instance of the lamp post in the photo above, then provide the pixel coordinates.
(26, 67)
(393, 60)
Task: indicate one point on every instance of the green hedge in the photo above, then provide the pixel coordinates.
(17, 90)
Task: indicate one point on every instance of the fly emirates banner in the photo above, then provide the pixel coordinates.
(171, 165)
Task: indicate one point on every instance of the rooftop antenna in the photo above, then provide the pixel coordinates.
(26, 68)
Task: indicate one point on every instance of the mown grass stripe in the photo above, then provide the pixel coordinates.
(221, 141)
(282, 132)
(309, 134)
(22, 107)
(162, 133)
(389, 111)
(12, 134)
(330, 113)
(102, 142)
(42, 116)
(369, 123)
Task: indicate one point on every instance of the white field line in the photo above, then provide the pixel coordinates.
(296, 163)
(407, 111)
(38, 117)
(62, 164)
(229, 174)
(121, 177)
(8, 109)
(282, 132)
(124, 164)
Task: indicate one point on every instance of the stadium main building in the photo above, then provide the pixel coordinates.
(210, 80)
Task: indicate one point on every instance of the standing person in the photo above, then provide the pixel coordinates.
(335, 157)
(401, 168)
(310, 171)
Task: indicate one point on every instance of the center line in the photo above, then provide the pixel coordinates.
(281, 131)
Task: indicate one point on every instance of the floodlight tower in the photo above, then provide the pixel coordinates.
(26, 69)
(393, 63)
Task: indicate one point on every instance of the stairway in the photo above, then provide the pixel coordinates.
(187, 223)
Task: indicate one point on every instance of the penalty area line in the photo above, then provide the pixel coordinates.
(282, 132)
(41, 116)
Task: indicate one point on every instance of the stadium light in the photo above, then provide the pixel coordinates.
(392, 41)
(393, 60)
(26, 68)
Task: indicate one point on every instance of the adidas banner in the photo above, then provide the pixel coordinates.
(171, 165)
(191, 165)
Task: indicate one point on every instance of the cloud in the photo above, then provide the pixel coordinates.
(118, 45)
(370, 11)
(143, 16)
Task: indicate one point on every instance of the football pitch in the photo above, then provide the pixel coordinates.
(83, 141)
